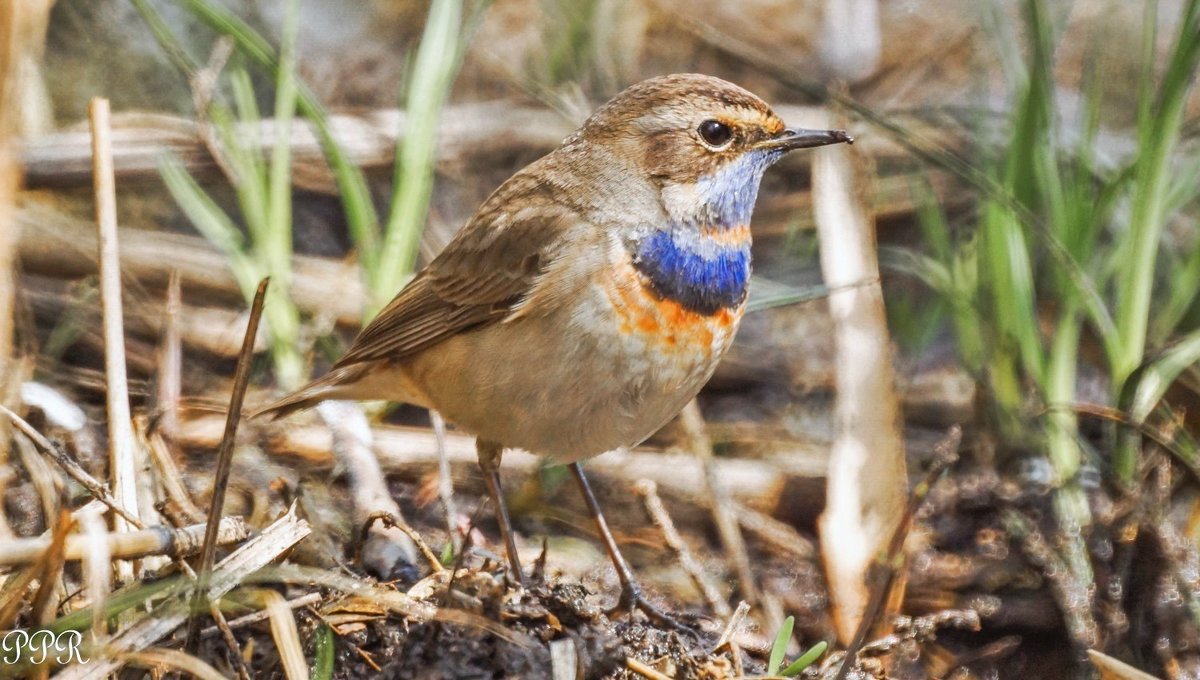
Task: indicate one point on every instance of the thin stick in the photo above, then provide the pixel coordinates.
(648, 490)
(122, 468)
(241, 378)
(391, 520)
(69, 466)
(261, 615)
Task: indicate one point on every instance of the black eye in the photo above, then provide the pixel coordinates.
(715, 133)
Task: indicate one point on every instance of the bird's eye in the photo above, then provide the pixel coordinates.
(715, 133)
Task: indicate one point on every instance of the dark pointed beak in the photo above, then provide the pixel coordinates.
(796, 138)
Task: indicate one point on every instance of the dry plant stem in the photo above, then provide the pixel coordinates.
(886, 569)
(494, 128)
(235, 650)
(867, 476)
(122, 467)
(48, 486)
(397, 602)
(225, 458)
(445, 481)
(851, 38)
(13, 38)
(385, 545)
(773, 532)
(160, 661)
(69, 466)
(44, 604)
(286, 636)
(255, 617)
(97, 574)
(126, 545)
(250, 557)
(648, 490)
(169, 475)
(732, 624)
(57, 245)
(564, 661)
(409, 450)
(170, 360)
(731, 536)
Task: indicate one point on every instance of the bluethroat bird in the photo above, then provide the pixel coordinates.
(591, 296)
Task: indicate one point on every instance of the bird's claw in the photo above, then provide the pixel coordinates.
(632, 599)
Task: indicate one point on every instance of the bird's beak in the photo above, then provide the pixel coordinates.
(796, 138)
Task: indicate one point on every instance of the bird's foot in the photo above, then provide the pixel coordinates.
(632, 599)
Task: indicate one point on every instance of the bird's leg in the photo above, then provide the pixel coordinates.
(489, 461)
(631, 592)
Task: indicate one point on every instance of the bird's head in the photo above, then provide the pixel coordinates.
(703, 141)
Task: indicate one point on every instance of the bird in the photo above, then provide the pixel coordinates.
(591, 296)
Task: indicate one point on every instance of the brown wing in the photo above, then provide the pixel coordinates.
(487, 269)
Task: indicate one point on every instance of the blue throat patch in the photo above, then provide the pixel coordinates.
(706, 275)
(704, 283)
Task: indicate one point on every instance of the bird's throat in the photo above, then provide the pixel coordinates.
(705, 269)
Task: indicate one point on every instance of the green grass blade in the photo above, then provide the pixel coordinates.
(807, 659)
(436, 65)
(278, 235)
(211, 222)
(361, 218)
(253, 193)
(1159, 127)
(779, 647)
(1156, 378)
(323, 641)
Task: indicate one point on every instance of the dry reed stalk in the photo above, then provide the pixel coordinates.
(170, 360)
(121, 456)
(96, 551)
(494, 128)
(851, 39)
(22, 34)
(648, 490)
(128, 545)
(63, 247)
(868, 480)
(409, 450)
(386, 546)
(727, 527)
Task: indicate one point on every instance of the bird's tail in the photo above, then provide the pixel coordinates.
(336, 384)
